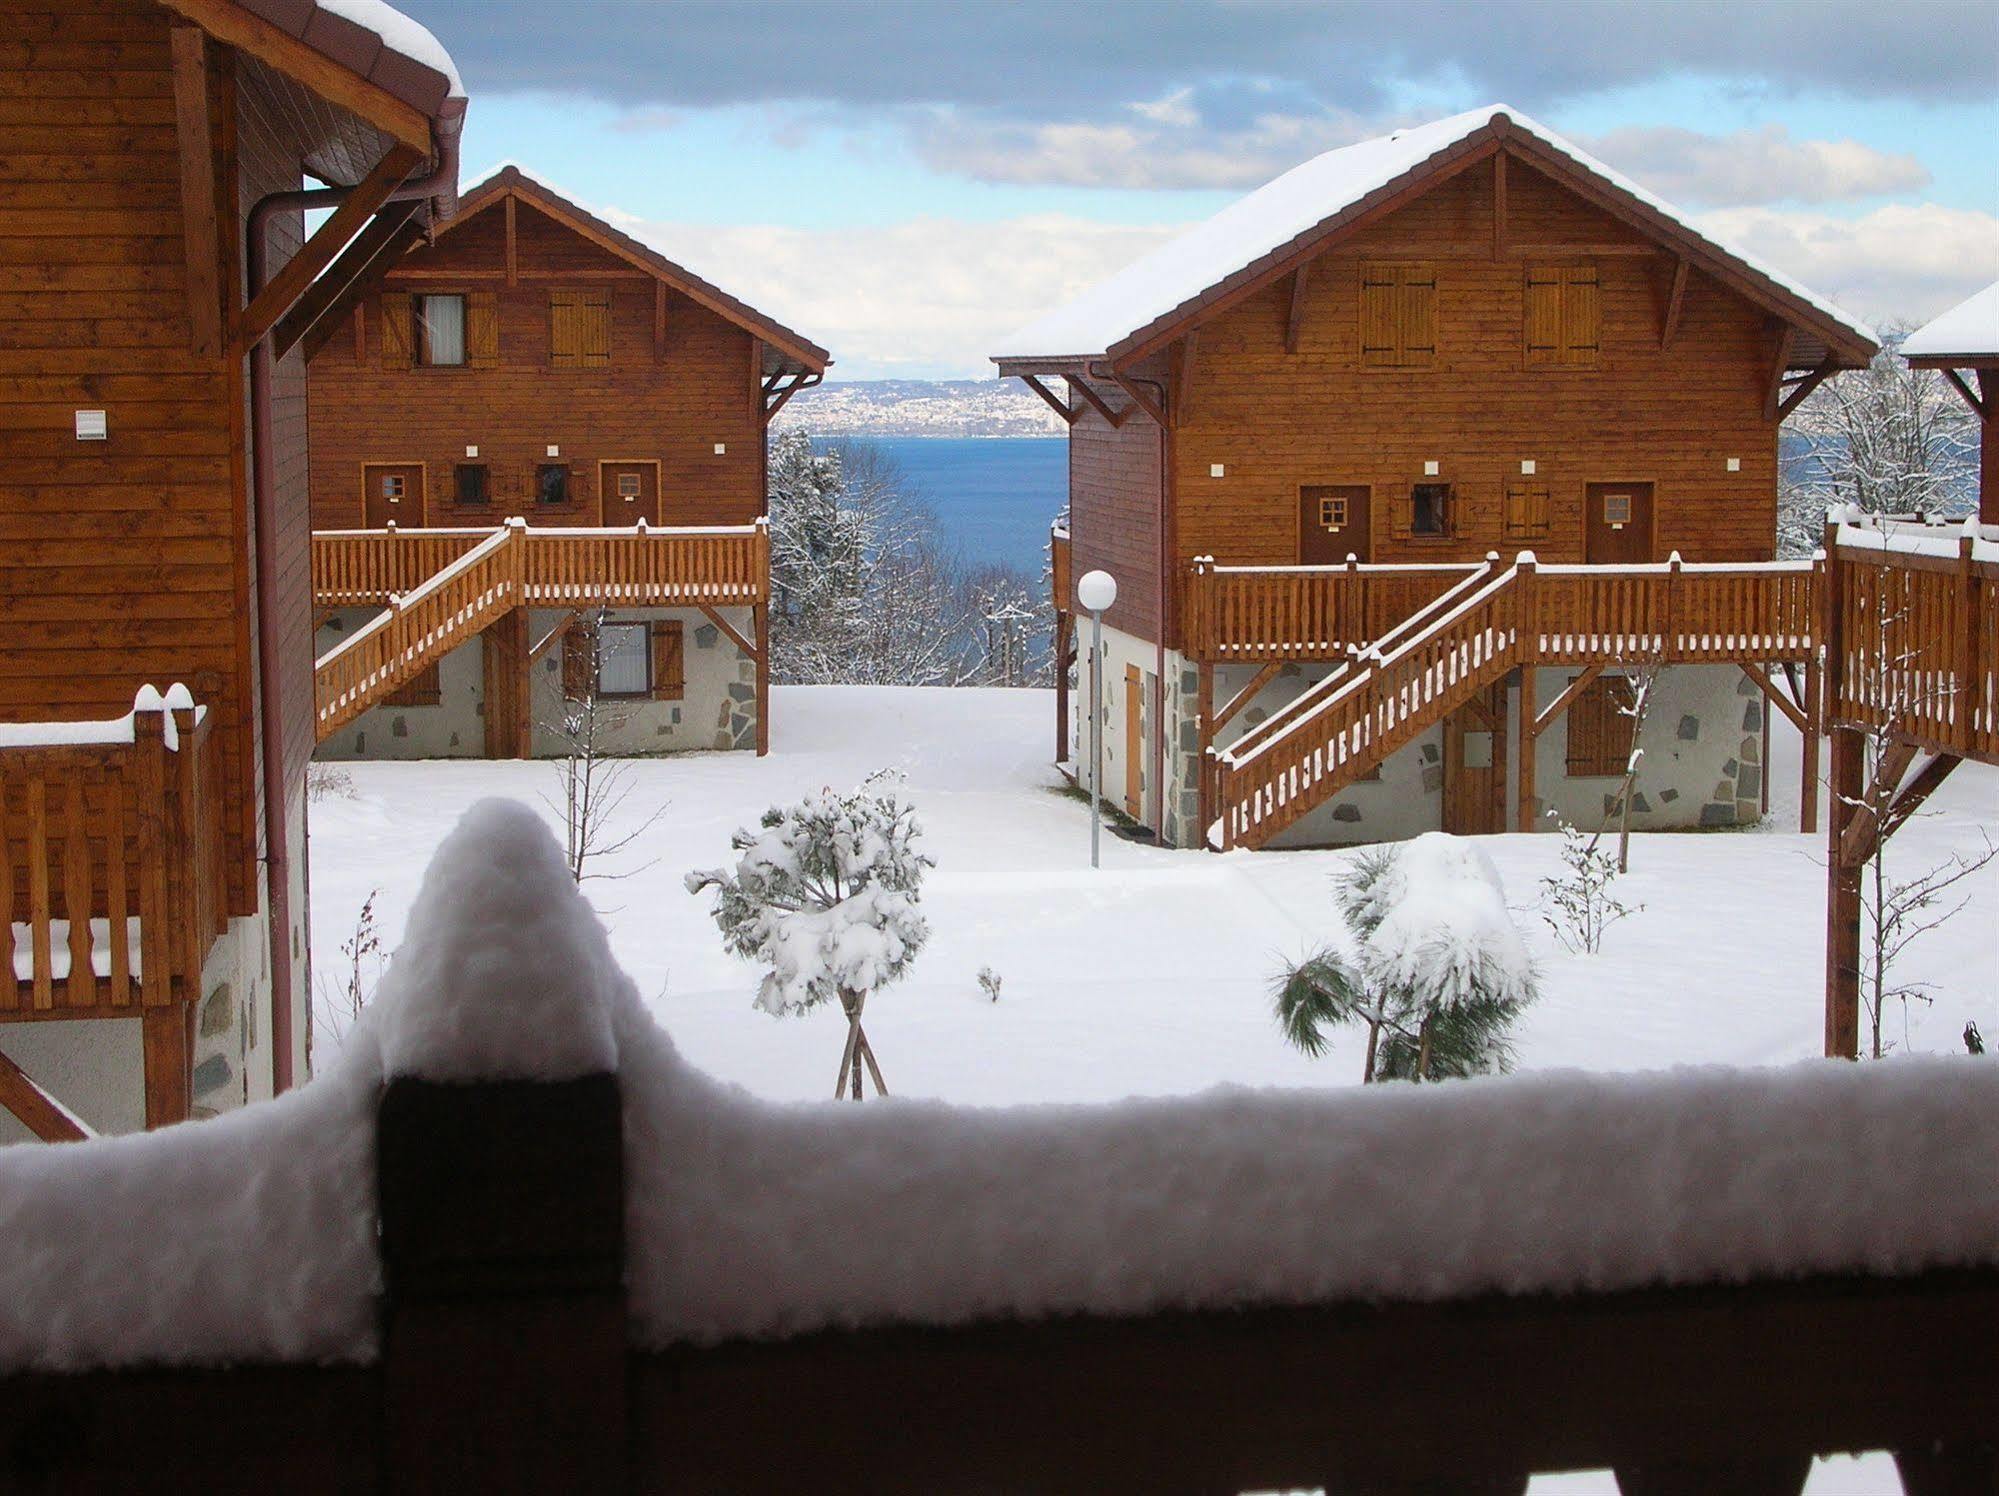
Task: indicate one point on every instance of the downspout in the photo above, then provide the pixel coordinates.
(1160, 554)
(440, 181)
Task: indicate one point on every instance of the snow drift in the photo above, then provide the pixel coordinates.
(252, 1237)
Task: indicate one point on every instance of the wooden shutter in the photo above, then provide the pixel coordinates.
(482, 329)
(398, 342)
(425, 688)
(579, 663)
(1526, 509)
(579, 329)
(1563, 315)
(1398, 316)
(669, 660)
(1599, 729)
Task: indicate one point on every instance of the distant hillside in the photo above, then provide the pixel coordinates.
(922, 407)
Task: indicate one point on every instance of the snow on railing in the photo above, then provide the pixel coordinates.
(151, 699)
(747, 1219)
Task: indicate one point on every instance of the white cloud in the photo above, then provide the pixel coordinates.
(1900, 262)
(1755, 166)
(925, 298)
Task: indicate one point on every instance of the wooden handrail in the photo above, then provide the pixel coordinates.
(111, 865)
(1257, 614)
(1528, 616)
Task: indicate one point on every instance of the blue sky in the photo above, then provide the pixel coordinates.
(906, 182)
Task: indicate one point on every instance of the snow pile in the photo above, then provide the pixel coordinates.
(1444, 934)
(756, 1220)
(250, 1237)
(505, 972)
(1970, 327)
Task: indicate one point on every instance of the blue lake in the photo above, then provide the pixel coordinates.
(994, 497)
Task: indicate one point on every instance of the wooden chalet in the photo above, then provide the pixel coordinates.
(1963, 344)
(1403, 463)
(539, 432)
(155, 283)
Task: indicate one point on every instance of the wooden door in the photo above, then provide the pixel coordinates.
(1617, 523)
(1333, 523)
(1475, 765)
(629, 492)
(392, 492)
(1134, 743)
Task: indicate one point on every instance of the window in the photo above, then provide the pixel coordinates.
(624, 660)
(1600, 728)
(1563, 316)
(1617, 509)
(1430, 509)
(628, 485)
(579, 329)
(440, 326)
(551, 483)
(1526, 510)
(1332, 511)
(470, 483)
(393, 486)
(1398, 316)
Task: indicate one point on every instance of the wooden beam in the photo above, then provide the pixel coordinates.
(749, 650)
(38, 1111)
(1524, 736)
(760, 614)
(1780, 360)
(1916, 791)
(1777, 698)
(1608, 249)
(200, 228)
(1805, 386)
(235, 25)
(167, 1037)
(1034, 383)
(1566, 699)
(1139, 398)
(1294, 320)
(389, 234)
(318, 252)
(563, 626)
(658, 318)
(1843, 897)
(1242, 698)
(1184, 366)
(783, 396)
(1970, 396)
(1499, 205)
(513, 247)
(1081, 385)
(1675, 300)
(1861, 835)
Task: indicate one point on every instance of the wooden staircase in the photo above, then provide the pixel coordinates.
(1469, 639)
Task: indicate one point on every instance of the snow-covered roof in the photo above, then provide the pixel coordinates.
(1271, 218)
(399, 34)
(1970, 330)
(507, 174)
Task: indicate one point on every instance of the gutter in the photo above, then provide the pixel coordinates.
(440, 182)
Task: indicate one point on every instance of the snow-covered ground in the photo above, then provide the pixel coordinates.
(1151, 975)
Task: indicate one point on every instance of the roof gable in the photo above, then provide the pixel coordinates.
(793, 349)
(1311, 207)
(1968, 331)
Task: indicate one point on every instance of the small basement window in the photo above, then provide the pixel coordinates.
(1430, 509)
(471, 483)
(440, 326)
(624, 660)
(551, 483)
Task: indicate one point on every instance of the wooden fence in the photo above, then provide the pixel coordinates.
(1523, 618)
(112, 868)
(505, 1367)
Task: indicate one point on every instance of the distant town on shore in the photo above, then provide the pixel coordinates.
(921, 407)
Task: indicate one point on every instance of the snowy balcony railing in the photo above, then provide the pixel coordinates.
(563, 565)
(511, 1239)
(110, 848)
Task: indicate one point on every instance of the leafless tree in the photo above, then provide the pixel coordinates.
(595, 787)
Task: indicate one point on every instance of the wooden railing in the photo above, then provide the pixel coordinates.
(1256, 614)
(1917, 631)
(1525, 616)
(516, 567)
(625, 568)
(112, 863)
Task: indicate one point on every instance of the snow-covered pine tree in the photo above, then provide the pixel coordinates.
(1438, 971)
(824, 893)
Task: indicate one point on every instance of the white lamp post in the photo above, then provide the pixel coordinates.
(1094, 594)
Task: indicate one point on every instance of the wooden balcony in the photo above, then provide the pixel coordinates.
(639, 567)
(1264, 614)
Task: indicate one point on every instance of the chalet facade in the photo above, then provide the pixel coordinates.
(1325, 426)
(552, 437)
(156, 717)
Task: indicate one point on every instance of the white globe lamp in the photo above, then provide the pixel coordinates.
(1095, 593)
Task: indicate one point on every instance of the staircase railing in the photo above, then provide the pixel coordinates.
(1525, 616)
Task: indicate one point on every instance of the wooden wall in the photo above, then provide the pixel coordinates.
(125, 561)
(673, 409)
(1114, 491)
(1672, 417)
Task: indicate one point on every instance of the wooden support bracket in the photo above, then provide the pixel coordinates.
(1776, 697)
(319, 311)
(1971, 397)
(38, 1111)
(1675, 299)
(547, 641)
(1862, 834)
(1066, 412)
(1805, 386)
(1566, 699)
(1139, 398)
(1116, 418)
(1294, 319)
(749, 650)
(1780, 360)
(1247, 694)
